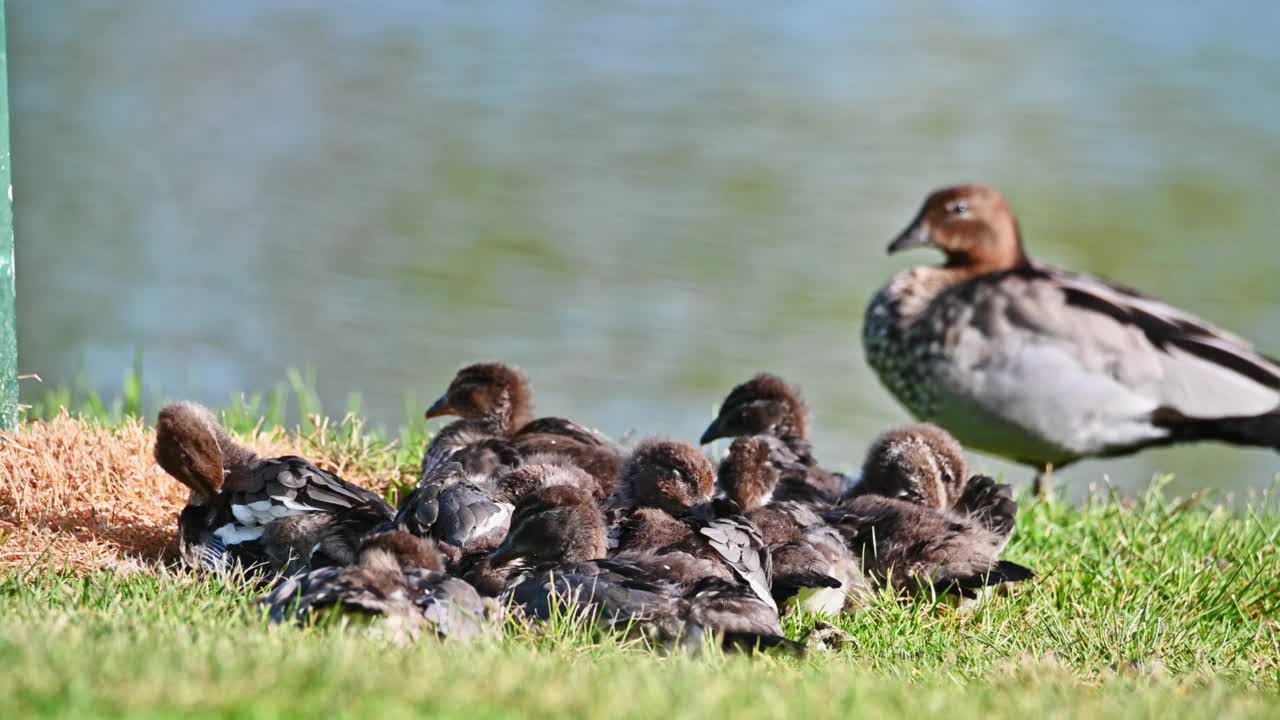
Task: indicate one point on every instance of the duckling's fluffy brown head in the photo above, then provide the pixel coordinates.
(921, 462)
(668, 475)
(487, 391)
(746, 476)
(972, 224)
(543, 471)
(187, 448)
(557, 523)
(763, 405)
(400, 550)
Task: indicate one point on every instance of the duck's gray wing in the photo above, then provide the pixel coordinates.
(1091, 368)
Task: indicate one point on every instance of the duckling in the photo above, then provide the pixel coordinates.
(924, 464)
(397, 576)
(245, 510)
(457, 509)
(557, 546)
(664, 495)
(477, 444)
(499, 397)
(914, 548)
(921, 463)
(812, 567)
(767, 405)
(544, 470)
(1044, 366)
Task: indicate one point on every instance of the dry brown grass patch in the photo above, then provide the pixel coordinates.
(78, 495)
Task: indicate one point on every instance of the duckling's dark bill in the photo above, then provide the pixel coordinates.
(440, 407)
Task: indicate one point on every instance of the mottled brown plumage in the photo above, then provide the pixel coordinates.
(921, 463)
(558, 523)
(763, 405)
(914, 548)
(667, 475)
(746, 476)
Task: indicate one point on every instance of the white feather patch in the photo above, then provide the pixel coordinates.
(232, 534)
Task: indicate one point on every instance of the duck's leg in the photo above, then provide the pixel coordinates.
(1043, 486)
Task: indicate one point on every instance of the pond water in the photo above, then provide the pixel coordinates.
(640, 204)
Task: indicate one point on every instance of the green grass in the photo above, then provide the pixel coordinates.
(1144, 607)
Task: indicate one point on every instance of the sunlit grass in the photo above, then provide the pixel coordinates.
(1143, 606)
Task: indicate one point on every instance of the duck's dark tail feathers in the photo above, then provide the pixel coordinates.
(758, 642)
(1249, 430)
(789, 585)
(1003, 571)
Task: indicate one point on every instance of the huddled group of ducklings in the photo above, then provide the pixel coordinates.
(535, 516)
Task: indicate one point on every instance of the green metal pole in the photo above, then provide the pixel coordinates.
(8, 312)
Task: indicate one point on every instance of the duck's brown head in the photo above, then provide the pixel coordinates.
(746, 476)
(921, 463)
(558, 523)
(400, 550)
(972, 224)
(493, 391)
(763, 405)
(187, 448)
(667, 475)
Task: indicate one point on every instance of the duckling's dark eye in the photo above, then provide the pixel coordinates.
(959, 208)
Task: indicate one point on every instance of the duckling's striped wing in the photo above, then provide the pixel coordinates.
(738, 542)
(451, 605)
(295, 596)
(615, 592)
(469, 518)
(291, 485)
(449, 506)
(742, 619)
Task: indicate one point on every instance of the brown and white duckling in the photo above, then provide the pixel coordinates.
(812, 566)
(1045, 366)
(245, 510)
(665, 502)
(767, 405)
(396, 576)
(497, 398)
(914, 548)
(556, 548)
(924, 464)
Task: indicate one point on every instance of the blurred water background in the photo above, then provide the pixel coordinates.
(640, 203)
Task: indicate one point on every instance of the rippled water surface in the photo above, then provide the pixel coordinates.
(640, 204)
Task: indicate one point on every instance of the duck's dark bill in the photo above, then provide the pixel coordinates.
(913, 237)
